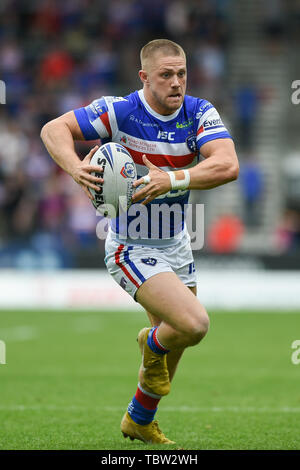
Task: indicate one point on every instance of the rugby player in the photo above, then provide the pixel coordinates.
(166, 132)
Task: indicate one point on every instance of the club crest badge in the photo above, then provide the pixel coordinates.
(191, 143)
(149, 261)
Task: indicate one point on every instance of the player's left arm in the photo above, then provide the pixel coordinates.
(219, 167)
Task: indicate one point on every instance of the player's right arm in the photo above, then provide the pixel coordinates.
(58, 136)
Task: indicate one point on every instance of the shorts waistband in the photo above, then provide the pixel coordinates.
(155, 243)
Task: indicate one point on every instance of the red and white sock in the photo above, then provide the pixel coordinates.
(143, 406)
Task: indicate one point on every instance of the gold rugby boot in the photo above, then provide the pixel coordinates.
(148, 433)
(154, 367)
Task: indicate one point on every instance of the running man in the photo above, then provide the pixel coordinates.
(165, 132)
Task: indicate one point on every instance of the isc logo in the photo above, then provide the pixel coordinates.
(165, 135)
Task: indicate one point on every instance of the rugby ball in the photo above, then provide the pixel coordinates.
(119, 173)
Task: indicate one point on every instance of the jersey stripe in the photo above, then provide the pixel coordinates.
(104, 118)
(100, 128)
(88, 131)
(200, 130)
(155, 147)
(209, 137)
(162, 160)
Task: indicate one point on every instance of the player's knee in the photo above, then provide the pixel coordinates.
(198, 328)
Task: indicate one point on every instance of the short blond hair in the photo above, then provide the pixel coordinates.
(165, 46)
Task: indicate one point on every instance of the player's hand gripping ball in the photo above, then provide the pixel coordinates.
(118, 173)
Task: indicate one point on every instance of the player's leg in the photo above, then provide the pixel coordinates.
(184, 321)
(173, 357)
(137, 423)
(131, 268)
(154, 380)
(127, 267)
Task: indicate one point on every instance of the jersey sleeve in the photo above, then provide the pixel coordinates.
(94, 119)
(210, 125)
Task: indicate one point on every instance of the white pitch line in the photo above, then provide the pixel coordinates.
(180, 409)
(222, 409)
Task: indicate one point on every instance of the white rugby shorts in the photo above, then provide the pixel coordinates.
(131, 265)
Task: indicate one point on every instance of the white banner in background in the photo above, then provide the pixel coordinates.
(95, 289)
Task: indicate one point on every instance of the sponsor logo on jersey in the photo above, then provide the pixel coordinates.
(212, 123)
(142, 123)
(92, 109)
(191, 143)
(203, 109)
(165, 135)
(138, 144)
(185, 124)
(98, 107)
(149, 261)
(128, 170)
(114, 99)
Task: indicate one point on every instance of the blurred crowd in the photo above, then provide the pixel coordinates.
(56, 56)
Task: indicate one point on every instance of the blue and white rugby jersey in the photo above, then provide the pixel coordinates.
(170, 142)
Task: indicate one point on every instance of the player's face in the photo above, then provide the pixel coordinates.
(166, 83)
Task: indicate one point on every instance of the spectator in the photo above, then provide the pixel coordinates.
(177, 18)
(225, 234)
(246, 107)
(252, 186)
(56, 65)
(13, 147)
(287, 237)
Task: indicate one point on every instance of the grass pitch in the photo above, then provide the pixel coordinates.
(70, 376)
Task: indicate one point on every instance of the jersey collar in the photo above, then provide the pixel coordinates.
(154, 113)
